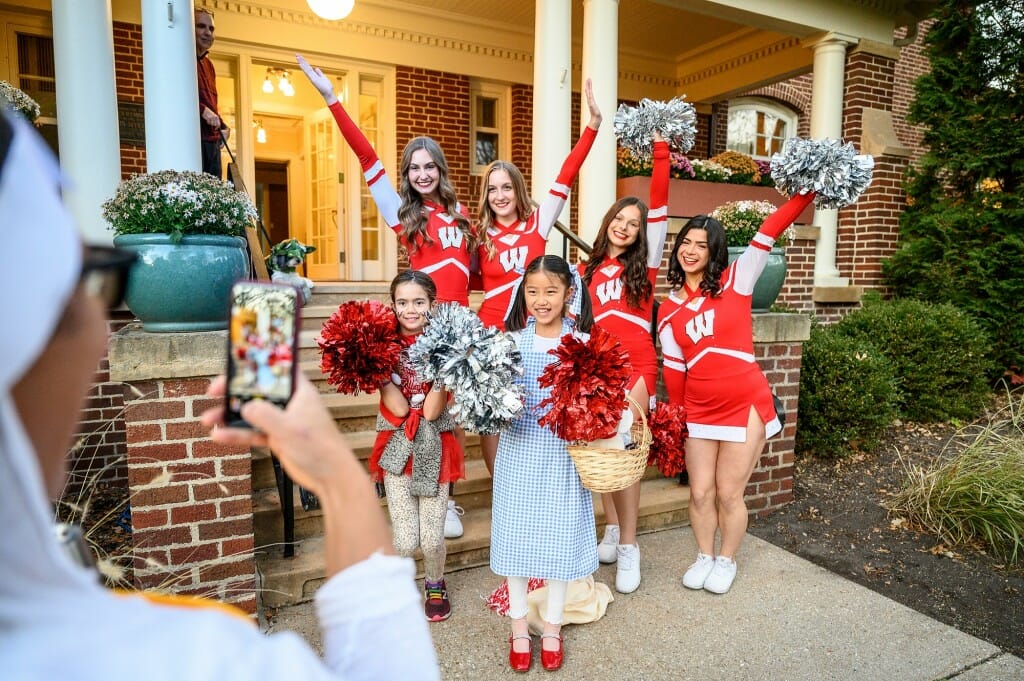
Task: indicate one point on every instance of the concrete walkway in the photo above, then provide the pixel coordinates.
(785, 618)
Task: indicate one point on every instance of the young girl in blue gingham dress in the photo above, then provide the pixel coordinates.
(542, 518)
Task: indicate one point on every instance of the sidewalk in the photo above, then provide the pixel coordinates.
(784, 618)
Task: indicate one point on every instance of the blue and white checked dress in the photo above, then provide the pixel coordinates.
(542, 519)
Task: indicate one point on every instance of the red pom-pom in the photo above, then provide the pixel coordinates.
(668, 433)
(360, 347)
(588, 387)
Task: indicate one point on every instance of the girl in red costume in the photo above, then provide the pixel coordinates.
(620, 276)
(432, 226)
(416, 453)
(706, 332)
(513, 233)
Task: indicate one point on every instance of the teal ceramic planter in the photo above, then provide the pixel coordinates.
(184, 286)
(769, 284)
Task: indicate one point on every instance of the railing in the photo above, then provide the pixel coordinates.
(256, 235)
(570, 236)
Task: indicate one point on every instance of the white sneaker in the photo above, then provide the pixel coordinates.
(698, 573)
(722, 574)
(607, 549)
(627, 576)
(452, 523)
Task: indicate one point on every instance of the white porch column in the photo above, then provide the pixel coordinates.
(90, 151)
(827, 121)
(601, 65)
(552, 100)
(171, 89)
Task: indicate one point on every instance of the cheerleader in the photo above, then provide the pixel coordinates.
(513, 233)
(430, 223)
(706, 332)
(620, 276)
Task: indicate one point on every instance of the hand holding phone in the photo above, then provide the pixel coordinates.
(262, 346)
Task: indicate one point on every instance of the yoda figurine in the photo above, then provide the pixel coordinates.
(282, 261)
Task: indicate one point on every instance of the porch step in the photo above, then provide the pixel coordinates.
(286, 581)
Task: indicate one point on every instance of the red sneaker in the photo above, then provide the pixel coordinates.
(436, 607)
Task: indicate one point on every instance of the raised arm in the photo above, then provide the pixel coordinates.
(552, 204)
(776, 223)
(752, 261)
(383, 192)
(657, 214)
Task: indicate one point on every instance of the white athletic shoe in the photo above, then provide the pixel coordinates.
(452, 521)
(627, 576)
(722, 574)
(698, 573)
(607, 550)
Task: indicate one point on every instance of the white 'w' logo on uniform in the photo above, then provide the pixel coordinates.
(451, 237)
(701, 326)
(513, 258)
(609, 290)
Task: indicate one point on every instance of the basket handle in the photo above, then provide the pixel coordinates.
(640, 410)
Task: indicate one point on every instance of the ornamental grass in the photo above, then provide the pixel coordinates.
(974, 492)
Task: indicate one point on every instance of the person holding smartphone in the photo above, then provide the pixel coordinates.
(58, 622)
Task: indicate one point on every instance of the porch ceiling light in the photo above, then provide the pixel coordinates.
(332, 10)
(261, 134)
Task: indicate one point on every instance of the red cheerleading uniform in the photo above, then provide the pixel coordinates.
(517, 244)
(452, 458)
(631, 325)
(446, 257)
(708, 343)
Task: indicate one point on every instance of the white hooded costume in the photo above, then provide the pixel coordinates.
(56, 621)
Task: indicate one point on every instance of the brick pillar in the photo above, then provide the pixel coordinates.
(191, 500)
(869, 229)
(778, 346)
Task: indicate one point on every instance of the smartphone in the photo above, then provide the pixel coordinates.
(262, 346)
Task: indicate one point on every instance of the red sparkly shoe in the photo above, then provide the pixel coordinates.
(552, 659)
(520, 662)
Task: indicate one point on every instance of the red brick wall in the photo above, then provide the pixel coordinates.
(128, 74)
(912, 63)
(771, 484)
(522, 130)
(191, 499)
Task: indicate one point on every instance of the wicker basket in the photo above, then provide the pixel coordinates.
(609, 470)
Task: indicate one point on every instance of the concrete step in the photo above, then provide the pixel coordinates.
(286, 581)
(334, 293)
(472, 493)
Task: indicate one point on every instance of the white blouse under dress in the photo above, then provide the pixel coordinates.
(542, 518)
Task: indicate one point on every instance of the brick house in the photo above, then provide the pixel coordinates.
(497, 80)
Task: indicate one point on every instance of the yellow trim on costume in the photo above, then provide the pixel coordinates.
(184, 601)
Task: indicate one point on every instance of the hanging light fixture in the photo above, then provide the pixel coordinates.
(332, 10)
(268, 87)
(261, 134)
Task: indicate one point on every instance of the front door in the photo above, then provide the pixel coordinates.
(326, 199)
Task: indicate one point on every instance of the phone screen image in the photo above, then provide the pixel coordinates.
(262, 345)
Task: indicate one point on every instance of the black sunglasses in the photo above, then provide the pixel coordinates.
(105, 273)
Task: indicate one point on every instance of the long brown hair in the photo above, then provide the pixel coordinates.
(411, 213)
(633, 259)
(484, 212)
(718, 256)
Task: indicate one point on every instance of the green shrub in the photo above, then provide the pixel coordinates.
(848, 395)
(977, 494)
(939, 353)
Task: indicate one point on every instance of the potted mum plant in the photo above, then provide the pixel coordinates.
(15, 99)
(741, 220)
(188, 228)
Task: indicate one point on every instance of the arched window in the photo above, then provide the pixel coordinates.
(758, 127)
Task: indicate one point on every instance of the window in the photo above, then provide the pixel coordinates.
(759, 127)
(36, 77)
(488, 123)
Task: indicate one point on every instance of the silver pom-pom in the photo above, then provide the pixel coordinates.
(832, 169)
(475, 363)
(675, 119)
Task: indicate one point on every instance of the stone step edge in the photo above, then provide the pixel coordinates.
(288, 581)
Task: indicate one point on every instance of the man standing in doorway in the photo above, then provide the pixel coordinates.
(211, 126)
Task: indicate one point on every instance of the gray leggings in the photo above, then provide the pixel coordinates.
(418, 522)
